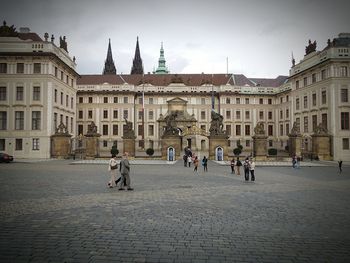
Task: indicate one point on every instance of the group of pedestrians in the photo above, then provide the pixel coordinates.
(190, 158)
(124, 169)
(248, 166)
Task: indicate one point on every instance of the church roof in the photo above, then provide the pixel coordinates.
(185, 79)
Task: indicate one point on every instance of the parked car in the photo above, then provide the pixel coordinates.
(4, 157)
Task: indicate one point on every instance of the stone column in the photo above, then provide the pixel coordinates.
(260, 147)
(295, 143)
(92, 146)
(61, 146)
(321, 146)
(129, 146)
(171, 141)
(218, 141)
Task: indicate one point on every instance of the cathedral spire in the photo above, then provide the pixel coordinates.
(109, 63)
(162, 69)
(137, 67)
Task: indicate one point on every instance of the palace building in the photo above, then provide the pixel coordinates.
(313, 99)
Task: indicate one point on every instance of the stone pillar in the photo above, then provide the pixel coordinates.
(321, 146)
(61, 145)
(173, 141)
(218, 141)
(295, 144)
(92, 146)
(260, 147)
(129, 146)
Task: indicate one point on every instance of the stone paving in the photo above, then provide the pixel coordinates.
(56, 212)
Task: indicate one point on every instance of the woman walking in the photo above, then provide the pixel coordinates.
(112, 168)
(195, 164)
(233, 166)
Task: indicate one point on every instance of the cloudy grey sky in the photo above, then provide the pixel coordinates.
(257, 36)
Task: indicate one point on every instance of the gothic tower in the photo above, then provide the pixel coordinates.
(162, 69)
(109, 63)
(137, 67)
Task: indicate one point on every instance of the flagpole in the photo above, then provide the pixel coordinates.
(143, 112)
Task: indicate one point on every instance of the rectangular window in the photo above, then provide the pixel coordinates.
(19, 120)
(281, 129)
(228, 130)
(126, 114)
(140, 100)
(323, 74)
(287, 128)
(125, 99)
(281, 100)
(238, 114)
(115, 99)
(305, 81)
(105, 129)
(62, 75)
(19, 93)
(72, 103)
(313, 77)
(314, 99)
(61, 98)
(150, 101)
(344, 95)
(281, 114)
(3, 68)
(90, 99)
(345, 143)
(3, 93)
(270, 115)
(202, 115)
(80, 129)
(37, 68)
(67, 122)
(287, 113)
(55, 120)
(2, 145)
(314, 122)
(324, 97)
(297, 104)
(105, 99)
(238, 101)
(150, 115)
(297, 84)
(306, 124)
(324, 120)
(56, 72)
(150, 130)
(270, 130)
(55, 96)
(80, 114)
(203, 101)
(115, 114)
(71, 124)
(115, 129)
(246, 100)
(305, 102)
(261, 101)
(247, 115)
(105, 114)
(20, 68)
(36, 120)
(140, 115)
(343, 71)
(247, 143)
(67, 101)
(261, 115)
(228, 114)
(3, 120)
(36, 144)
(105, 143)
(139, 130)
(19, 145)
(228, 101)
(344, 120)
(238, 130)
(269, 101)
(247, 129)
(36, 93)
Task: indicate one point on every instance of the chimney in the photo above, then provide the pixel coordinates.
(24, 30)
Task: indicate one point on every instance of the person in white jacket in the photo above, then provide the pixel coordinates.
(252, 169)
(112, 168)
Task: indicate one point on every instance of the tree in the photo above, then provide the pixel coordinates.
(237, 151)
(150, 151)
(114, 150)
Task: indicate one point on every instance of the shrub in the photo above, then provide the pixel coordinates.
(150, 151)
(240, 147)
(114, 150)
(272, 151)
(237, 151)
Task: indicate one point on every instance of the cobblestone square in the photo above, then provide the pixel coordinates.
(57, 212)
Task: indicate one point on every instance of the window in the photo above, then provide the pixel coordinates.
(281, 114)
(80, 114)
(247, 130)
(203, 127)
(238, 130)
(125, 99)
(36, 144)
(228, 114)
(37, 68)
(314, 99)
(344, 95)
(313, 76)
(72, 103)
(67, 122)
(228, 130)
(287, 113)
(105, 129)
(269, 101)
(344, 120)
(324, 120)
(324, 96)
(238, 114)
(314, 122)
(203, 101)
(19, 144)
(150, 101)
(297, 84)
(247, 143)
(281, 100)
(56, 70)
(261, 115)
(61, 75)
(115, 114)
(150, 115)
(55, 96)
(306, 124)
(140, 100)
(36, 93)
(3, 120)
(305, 81)
(71, 124)
(90, 99)
(281, 129)
(105, 99)
(140, 114)
(150, 130)
(343, 71)
(80, 129)
(67, 101)
(202, 115)
(3, 93)
(287, 128)
(61, 98)
(2, 145)
(105, 114)
(125, 114)
(19, 120)
(270, 143)
(323, 74)
(247, 114)
(19, 93)
(20, 68)
(345, 143)
(115, 99)
(287, 98)
(246, 100)
(270, 130)
(36, 120)
(261, 101)
(228, 101)
(90, 114)
(238, 101)
(115, 129)
(3, 68)
(270, 115)
(139, 130)
(105, 144)
(305, 102)
(55, 120)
